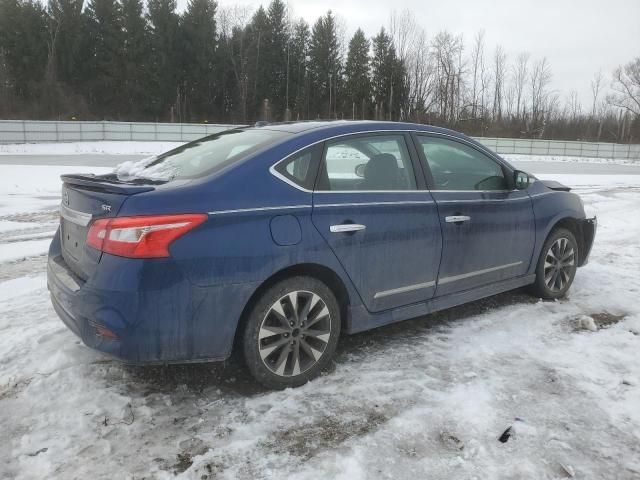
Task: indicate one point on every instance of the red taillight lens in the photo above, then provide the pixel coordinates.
(141, 237)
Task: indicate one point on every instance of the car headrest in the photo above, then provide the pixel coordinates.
(381, 172)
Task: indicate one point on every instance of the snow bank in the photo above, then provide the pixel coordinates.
(558, 158)
(84, 148)
(38, 179)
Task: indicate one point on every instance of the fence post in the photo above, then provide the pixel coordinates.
(24, 132)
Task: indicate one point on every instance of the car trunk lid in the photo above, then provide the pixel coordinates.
(84, 199)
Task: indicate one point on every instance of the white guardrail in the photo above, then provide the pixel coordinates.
(28, 131)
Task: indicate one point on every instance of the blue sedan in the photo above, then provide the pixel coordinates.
(273, 240)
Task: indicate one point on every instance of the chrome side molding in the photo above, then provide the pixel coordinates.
(408, 288)
(454, 278)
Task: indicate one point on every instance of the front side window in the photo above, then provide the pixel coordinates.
(455, 166)
(376, 162)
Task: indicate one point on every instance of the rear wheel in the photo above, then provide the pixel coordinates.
(291, 333)
(557, 265)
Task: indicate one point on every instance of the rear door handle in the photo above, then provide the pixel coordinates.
(346, 228)
(457, 219)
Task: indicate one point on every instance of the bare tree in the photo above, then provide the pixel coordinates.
(477, 67)
(421, 76)
(499, 61)
(626, 87)
(596, 86)
(447, 50)
(520, 74)
(540, 80)
(573, 105)
(403, 31)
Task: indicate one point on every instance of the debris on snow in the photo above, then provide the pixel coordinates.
(451, 441)
(586, 322)
(568, 469)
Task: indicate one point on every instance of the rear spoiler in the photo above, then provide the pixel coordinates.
(105, 183)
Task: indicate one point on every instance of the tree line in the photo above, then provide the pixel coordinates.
(126, 60)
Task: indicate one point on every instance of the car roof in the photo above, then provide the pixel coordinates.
(331, 127)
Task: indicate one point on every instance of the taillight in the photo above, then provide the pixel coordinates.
(141, 237)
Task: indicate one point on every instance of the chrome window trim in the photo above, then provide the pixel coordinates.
(369, 191)
(278, 175)
(259, 209)
(408, 288)
(455, 278)
(74, 216)
(483, 200)
(473, 191)
(366, 204)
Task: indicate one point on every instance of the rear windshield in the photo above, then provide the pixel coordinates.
(201, 157)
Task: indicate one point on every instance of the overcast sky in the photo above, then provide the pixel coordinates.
(577, 37)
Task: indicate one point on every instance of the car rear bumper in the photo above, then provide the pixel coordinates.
(588, 227)
(116, 313)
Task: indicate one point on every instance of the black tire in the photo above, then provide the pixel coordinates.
(301, 352)
(553, 278)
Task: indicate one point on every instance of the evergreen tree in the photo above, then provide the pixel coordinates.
(388, 79)
(164, 68)
(135, 60)
(324, 65)
(298, 70)
(23, 45)
(357, 84)
(68, 42)
(199, 52)
(276, 58)
(104, 70)
(258, 67)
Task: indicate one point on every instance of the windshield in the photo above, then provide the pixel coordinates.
(201, 157)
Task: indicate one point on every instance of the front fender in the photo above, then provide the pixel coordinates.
(550, 208)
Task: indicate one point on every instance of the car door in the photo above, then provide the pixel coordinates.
(488, 227)
(378, 218)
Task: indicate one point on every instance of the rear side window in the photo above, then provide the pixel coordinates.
(298, 168)
(456, 166)
(204, 156)
(376, 162)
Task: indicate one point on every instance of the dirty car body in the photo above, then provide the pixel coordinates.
(313, 199)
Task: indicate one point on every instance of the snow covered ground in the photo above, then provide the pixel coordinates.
(427, 398)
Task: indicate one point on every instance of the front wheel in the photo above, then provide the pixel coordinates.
(557, 265)
(291, 333)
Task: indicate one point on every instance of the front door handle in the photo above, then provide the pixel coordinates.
(457, 218)
(346, 228)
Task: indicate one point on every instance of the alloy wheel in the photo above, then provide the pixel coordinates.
(559, 264)
(294, 333)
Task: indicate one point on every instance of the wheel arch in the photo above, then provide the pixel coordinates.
(320, 272)
(574, 225)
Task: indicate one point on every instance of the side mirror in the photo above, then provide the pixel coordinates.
(360, 170)
(521, 180)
